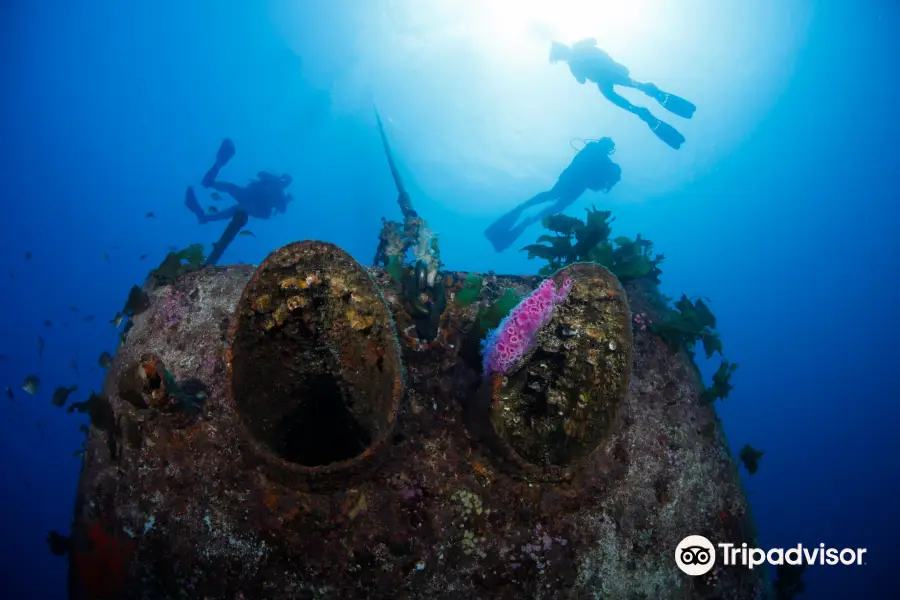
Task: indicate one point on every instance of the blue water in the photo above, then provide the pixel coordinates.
(787, 220)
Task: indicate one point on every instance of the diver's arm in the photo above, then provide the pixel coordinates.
(577, 74)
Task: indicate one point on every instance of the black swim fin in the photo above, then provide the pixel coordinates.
(666, 133)
(672, 103)
(190, 200)
(678, 106)
(226, 151)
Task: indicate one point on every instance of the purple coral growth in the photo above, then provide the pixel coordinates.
(508, 343)
(174, 307)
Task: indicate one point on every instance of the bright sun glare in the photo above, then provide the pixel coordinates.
(513, 28)
(469, 86)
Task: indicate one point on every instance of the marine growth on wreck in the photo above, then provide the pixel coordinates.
(315, 428)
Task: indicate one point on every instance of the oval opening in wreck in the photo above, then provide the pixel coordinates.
(558, 405)
(314, 363)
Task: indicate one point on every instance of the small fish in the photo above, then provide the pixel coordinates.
(84, 429)
(150, 215)
(79, 452)
(31, 384)
(213, 210)
(48, 323)
(40, 347)
(27, 255)
(117, 320)
(114, 247)
(215, 196)
(172, 248)
(201, 395)
(11, 276)
(105, 360)
(89, 318)
(143, 256)
(121, 337)
(62, 394)
(2, 357)
(74, 366)
(106, 256)
(73, 309)
(9, 393)
(247, 233)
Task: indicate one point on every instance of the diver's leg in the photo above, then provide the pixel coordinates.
(547, 196)
(190, 201)
(223, 155)
(660, 129)
(610, 94)
(222, 215)
(209, 179)
(502, 226)
(562, 203)
(672, 103)
(232, 189)
(504, 231)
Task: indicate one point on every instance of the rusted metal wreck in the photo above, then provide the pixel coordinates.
(283, 432)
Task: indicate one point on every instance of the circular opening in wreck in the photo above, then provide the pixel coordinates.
(315, 371)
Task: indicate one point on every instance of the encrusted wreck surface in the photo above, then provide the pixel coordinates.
(227, 492)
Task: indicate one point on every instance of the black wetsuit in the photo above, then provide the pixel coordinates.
(591, 169)
(587, 62)
(258, 199)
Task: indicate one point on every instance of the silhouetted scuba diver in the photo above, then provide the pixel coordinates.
(591, 169)
(258, 198)
(588, 62)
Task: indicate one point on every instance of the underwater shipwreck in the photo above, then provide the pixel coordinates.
(312, 428)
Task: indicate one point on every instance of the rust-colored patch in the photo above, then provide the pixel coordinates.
(101, 561)
(270, 499)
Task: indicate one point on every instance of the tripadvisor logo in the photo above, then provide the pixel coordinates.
(695, 555)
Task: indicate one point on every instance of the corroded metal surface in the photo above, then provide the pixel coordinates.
(563, 401)
(314, 364)
(199, 504)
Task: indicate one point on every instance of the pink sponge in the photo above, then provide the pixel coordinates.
(507, 344)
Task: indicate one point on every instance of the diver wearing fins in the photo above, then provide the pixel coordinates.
(591, 169)
(588, 62)
(258, 199)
